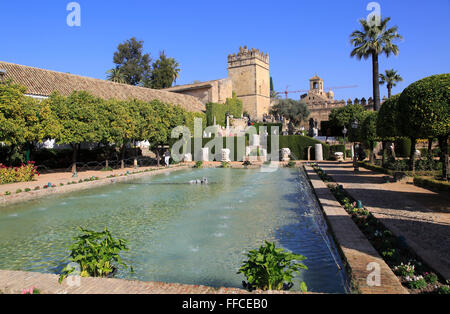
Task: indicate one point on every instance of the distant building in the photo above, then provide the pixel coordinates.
(248, 77)
(40, 83)
(319, 102)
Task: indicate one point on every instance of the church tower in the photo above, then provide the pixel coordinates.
(249, 73)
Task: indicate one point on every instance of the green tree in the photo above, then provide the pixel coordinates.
(346, 116)
(118, 124)
(293, 110)
(390, 78)
(165, 72)
(78, 120)
(369, 132)
(425, 113)
(133, 64)
(372, 41)
(387, 122)
(116, 75)
(165, 118)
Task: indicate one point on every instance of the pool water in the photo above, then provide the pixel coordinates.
(181, 233)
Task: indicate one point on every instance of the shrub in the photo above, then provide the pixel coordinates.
(403, 147)
(416, 282)
(225, 165)
(97, 254)
(198, 164)
(443, 290)
(27, 190)
(232, 105)
(429, 183)
(430, 278)
(271, 268)
(7, 193)
(299, 144)
(404, 270)
(18, 191)
(23, 173)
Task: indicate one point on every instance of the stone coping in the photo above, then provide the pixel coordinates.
(32, 195)
(14, 282)
(355, 248)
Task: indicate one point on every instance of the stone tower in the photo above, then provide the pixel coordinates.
(316, 85)
(249, 73)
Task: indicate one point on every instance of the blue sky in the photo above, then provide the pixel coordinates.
(302, 37)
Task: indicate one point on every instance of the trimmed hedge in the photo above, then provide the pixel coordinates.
(403, 147)
(336, 149)
(233, 106)
(299, 144)
(429, 183)
(296, 143)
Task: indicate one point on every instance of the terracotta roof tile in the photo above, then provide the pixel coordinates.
(42, 82)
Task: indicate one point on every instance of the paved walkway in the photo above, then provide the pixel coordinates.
(357, 251)
(14, 282)
(421, 216)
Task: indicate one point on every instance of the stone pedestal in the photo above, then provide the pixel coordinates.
(226, 155)
(319, 152)
(187, 157)
(205, 154)
(285, 154)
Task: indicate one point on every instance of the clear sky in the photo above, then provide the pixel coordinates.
(303, 38)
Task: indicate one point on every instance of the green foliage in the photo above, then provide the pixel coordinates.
(271, 268)
(291, 109)
(165, 72)
(390, 78)
(291, 164)
(198, 164)
(403, 147)
(97, 254)
(416, 282)
(443, 290)
(424, 107)
(430, 183)
(369, 127)
(431, 278)
(232, 105)
(299, 144)
(189, 119)
(371, 41)
(345, 116)
(133, 64)
(225, 165)
(387, 122)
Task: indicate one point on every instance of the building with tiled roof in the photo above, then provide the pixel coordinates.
(41, 83)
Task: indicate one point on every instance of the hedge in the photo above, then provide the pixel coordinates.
(233, 106)
(296, 143)
(299, 144)
(403, 147)
(429, 183)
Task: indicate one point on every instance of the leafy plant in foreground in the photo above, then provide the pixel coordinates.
(97, 254)
(271, 268)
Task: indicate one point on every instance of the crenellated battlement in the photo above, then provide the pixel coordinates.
(245, 53)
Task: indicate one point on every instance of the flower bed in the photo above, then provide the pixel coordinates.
(24, 173)
(410, 269)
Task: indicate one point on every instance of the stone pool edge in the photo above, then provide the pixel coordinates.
(14, 282)
(32, 195)
(356, 251)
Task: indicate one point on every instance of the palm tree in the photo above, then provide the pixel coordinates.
(390, 78)
(116, 75)
(372, 41)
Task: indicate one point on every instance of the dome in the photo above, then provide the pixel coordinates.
(330, 94)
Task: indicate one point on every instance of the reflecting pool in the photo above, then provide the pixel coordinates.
(180, 232)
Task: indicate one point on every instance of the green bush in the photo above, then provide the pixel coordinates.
(299, 144)
(97, 254)
(429, 183)
(271, 268)
(24, 173)
(336, 149)
(403, 147)
(232, 105)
